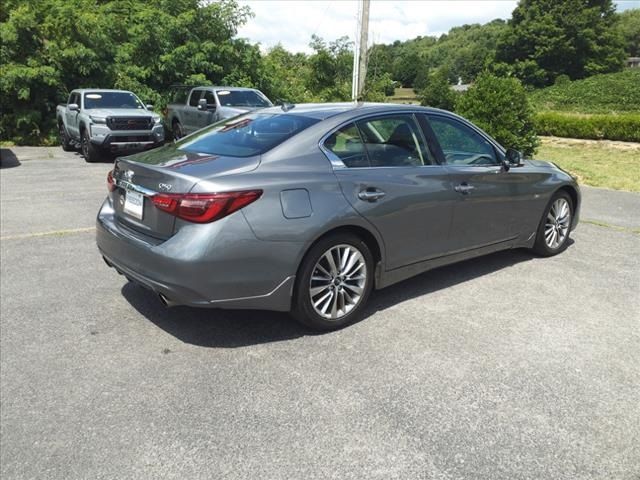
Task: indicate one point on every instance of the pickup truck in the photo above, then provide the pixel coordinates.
(107, 120)
(206, 105)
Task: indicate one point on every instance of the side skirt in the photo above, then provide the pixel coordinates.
(398, 274)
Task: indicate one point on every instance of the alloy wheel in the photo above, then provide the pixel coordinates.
(556, 228)
(338, 281)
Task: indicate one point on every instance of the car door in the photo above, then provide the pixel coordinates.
(72, 116)
(485, 212)
(208, 116)
(191, 112)
(390, 177)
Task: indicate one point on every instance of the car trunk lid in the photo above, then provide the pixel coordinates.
(166, 170)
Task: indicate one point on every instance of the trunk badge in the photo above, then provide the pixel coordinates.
(165, 187)
(128, 175)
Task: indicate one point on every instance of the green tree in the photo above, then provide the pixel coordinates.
(546, 38)
(437, 92)
(501, 108)
(629, 28)
(50, 47)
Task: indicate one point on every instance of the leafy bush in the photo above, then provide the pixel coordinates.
(501, 108)
(437, 92)
(624, 127)
(612, 92)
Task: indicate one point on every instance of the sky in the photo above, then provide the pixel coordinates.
(292, 22)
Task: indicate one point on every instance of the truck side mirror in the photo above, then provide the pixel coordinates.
(149, 107)
(73, 107)
(202, 104)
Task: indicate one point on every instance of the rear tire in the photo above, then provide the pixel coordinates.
(333, 283)
(176, 130)
(553, 233)
(63, 137)
(90, 152)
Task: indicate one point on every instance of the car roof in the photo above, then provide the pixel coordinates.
(322, 111)
(84, 90)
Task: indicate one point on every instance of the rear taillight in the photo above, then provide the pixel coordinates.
(204, 207)
(111, 184)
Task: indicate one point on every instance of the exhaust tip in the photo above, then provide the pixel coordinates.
(165, 301)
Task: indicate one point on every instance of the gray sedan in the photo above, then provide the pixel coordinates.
(308, 208)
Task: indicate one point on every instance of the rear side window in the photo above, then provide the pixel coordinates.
(460, 144)
(195, 96)
(394, 141)
(246, 135)
(347, 145)
(390, 141)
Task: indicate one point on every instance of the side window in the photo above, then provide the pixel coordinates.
(462, 145)
(195, 96)
(74, 98)
(211, 100)
(347, 146)
(394, 141)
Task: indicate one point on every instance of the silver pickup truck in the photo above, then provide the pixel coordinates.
(107, 120)
(206, 105)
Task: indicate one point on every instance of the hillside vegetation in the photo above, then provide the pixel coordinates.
(606, 93)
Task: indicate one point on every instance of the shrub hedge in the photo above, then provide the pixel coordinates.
(623, 127)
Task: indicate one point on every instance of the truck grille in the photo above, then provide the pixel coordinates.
(131, 138)
(129, 123)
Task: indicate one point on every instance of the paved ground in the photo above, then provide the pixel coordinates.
(504, 367)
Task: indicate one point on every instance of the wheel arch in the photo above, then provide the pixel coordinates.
(573, 193)
(368, 237)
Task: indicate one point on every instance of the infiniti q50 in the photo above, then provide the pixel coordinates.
(308, 208)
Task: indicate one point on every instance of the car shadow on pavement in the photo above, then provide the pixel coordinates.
(238, 328)
(8, 159)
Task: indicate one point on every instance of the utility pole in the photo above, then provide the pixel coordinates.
(360, 52)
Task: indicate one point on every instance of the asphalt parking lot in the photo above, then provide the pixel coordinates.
(504, 367)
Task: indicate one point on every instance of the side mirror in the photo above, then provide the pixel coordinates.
(149, 107)
(202, 104)
(512, 158)
(73, 107)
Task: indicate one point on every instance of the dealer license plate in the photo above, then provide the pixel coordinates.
(134, 204)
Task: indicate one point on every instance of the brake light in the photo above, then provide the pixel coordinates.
(204, 207)
(111, 184)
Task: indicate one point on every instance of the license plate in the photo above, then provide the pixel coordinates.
(134, 204)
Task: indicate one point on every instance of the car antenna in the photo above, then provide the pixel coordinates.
(286, 106)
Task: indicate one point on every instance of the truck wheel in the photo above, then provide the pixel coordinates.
(65, 141)
(176, 129)
(90, 152)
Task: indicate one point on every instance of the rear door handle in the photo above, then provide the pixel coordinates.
(371, 195)
(464, 188)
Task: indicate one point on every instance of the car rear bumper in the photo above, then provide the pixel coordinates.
(217, 265)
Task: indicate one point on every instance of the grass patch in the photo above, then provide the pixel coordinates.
(404, 95)
(599, 164)
(605, 93)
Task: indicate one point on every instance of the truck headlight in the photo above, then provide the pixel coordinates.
(157, 120)
(97, 119)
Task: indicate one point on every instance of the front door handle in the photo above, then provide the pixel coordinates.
(464, 188)
(371, 195)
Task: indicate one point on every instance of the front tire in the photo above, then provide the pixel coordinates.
(63, 137)
(90, 152)
(552, 237)
(176, 129)
(333, 283)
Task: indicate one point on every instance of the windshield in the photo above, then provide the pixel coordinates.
(242, 98)
(111, 100)
(246, 135)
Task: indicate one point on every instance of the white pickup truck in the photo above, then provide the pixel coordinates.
(206, 105)
(107, 120)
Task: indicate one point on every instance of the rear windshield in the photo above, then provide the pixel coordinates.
(111, 100)
(242, 98)
(246, 135)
